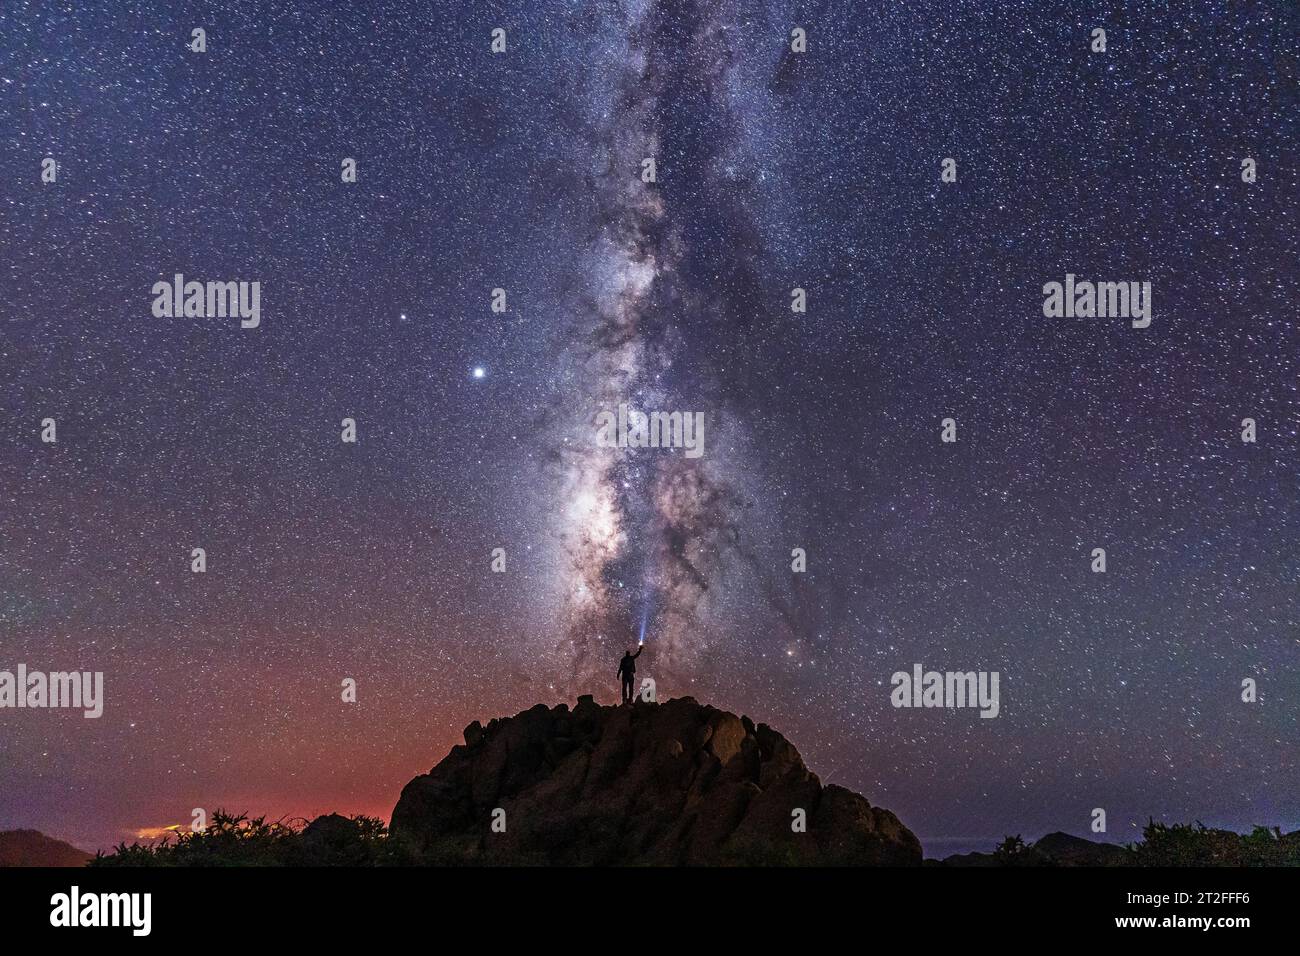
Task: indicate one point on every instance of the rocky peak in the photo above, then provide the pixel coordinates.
(672, 783)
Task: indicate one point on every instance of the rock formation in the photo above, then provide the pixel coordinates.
(677, 783)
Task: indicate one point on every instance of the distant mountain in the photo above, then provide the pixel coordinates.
(1178, 844)
(33, 848)
(674, 783)
(1055, 849)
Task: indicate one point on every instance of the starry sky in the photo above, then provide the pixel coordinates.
(775, 170)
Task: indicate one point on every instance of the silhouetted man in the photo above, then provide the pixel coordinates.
(627, 671)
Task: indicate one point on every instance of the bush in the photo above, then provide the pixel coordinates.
(1183, 844)
(237, 840)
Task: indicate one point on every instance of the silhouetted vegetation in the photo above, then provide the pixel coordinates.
(1011, 852)
(231, 840)
(1178, 844)
(334, 840)
(1183, 844)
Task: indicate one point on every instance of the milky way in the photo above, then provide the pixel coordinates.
(774, 171)
(645, 535)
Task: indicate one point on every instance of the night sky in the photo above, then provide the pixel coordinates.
(522, 171)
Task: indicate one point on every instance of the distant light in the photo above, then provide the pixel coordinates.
(479, 371)
(403, 316)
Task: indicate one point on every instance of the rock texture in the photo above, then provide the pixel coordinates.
(677, 783)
